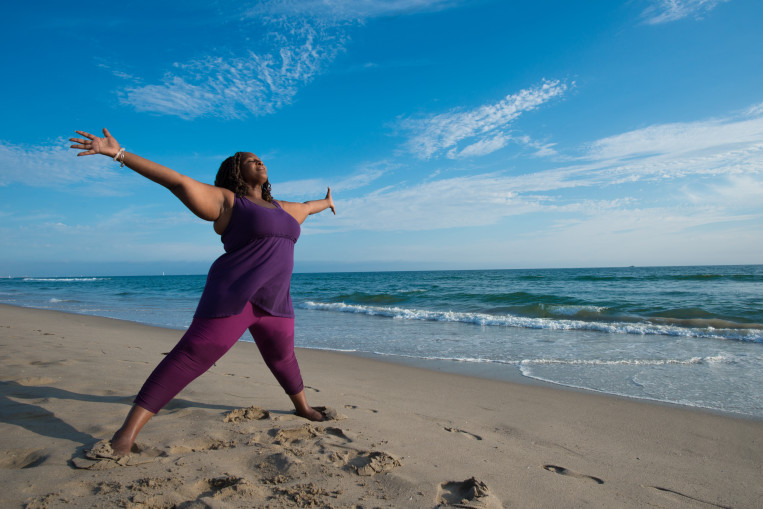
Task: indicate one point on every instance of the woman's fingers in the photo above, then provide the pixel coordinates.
(86, 145)
(331, 200)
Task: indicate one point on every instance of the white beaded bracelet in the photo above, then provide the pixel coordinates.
(120, 157)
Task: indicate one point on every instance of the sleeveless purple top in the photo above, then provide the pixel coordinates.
(257, 264)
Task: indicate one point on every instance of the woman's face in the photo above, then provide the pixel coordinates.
(253, 170)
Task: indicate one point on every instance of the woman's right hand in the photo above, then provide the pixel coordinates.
(92, 144)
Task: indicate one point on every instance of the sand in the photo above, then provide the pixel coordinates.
(399, 436)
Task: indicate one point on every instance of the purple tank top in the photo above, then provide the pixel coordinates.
(257, 264)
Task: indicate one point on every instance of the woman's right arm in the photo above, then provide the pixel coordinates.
(207, 202)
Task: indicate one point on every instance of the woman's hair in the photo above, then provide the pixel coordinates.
(229, 177)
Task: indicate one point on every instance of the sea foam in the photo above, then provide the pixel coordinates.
(484, 319)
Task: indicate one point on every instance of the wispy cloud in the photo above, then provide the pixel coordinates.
(680, 138)
(311, 188)
(348, 9)
(664, 11)
(301, 39)
(482, 130)
(236, 86)
(55, 165)
(724, 153)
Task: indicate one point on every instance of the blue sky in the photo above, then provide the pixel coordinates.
(454, 134)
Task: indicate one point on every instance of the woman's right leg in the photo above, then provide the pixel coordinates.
(206, 340)
(275, 339)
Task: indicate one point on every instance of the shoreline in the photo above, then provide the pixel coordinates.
(420, 434)
(502, 375)
(485, 371)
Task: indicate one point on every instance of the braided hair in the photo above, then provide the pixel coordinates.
(229, 177)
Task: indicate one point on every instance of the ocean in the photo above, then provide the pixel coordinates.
(686, 335)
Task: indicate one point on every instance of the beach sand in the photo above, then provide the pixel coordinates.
(401, 436)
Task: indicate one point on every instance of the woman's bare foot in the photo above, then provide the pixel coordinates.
(303, 409)
(311, 414)
(121, 444)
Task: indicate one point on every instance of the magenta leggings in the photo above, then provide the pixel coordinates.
(207, 339)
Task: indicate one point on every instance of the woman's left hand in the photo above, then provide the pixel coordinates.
(330, 200)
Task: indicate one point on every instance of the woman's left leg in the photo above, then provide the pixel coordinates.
(274, 336)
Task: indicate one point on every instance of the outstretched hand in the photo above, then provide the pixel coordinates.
(92, 144)
(331, 201)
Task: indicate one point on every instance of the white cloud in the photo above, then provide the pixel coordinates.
(482, 147)
(664, 11)
(542, 149)
(484, 128)
(347, 9)
(680, 138)
(725, 154)
(238, 86)
(54, 165)
(756, 110)
(738, 191)
(301, 39)
(312, 188)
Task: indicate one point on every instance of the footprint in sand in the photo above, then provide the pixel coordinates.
(356, 407)
(564, 471)
(60, 362)
(468, 493)
(133, 361)
(678, 496)
(308, 432)
(297, 435)
(462, 432)
(330, 443)
(22, 458)
(280, 464)
(330, 414)
(211, 444)
(371, 463)
(102, 457)
(32, 381)
(226, 488)
(253, 413)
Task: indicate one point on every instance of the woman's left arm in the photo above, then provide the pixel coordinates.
(300, 211)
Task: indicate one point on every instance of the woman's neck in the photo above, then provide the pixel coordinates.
(255, 193)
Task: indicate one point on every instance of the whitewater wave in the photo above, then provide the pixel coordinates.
(66, 279)
(665, 328)
(715, 359)
(527, 363)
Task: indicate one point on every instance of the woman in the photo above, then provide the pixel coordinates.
(247, 287)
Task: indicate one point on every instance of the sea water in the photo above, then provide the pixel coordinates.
(686, 335)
